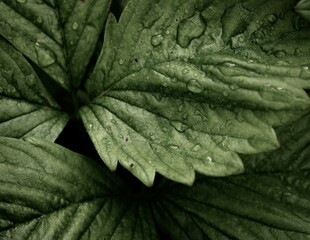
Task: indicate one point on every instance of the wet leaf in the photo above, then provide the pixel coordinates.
(26, 108)
(179, 87)
(59, 36)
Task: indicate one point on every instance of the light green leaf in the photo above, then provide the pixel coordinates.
(26, 108)
(48, 192)
(303, 8)
(181, 87)
(59, 36)
(249, 207)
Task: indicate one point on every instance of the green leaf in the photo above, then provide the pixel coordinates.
(303, 8)
(249, 207)
(59, 36)
(26, 108)
(293, 154)
(180, 87)
(48, 192)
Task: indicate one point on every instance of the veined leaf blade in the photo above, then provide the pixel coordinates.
(180, 88)
(49, 192)
(26, 108)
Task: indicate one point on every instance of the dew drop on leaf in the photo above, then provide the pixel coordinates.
(30, 79)
(185, 116)
(185, 71)
(174, 80)
(39, 19)
(174, 147)
(280, 54)
(194, 86)
(156, 40)
(196, 148)
(225, 93)
(272, 18)
(165, 129)
(209, 160)
(75, 26)
(189, 29)
(121, 61)
(181, 107)
(45, 57)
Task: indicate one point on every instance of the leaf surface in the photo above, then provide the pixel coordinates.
(250, 207)
(293, 154)
(174, 90)
(59, 36)
(26, 108)
(48, 192)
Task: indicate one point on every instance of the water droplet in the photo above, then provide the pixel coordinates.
(75, 26)
(113, 121)
(174, 147)
(164, 84)
(90, 126)
(180, 127)
(165, 129)
(233, 87)
(241, 39)
(196, 148)
(181, 107)
(280, 53)
(194, 86)
(45, 57)
(21, 1)
(189, 29)
(209, 160)
(185, 71)
(156, 40)
(39, 19)
(167, 32)
(174, 80)
(30, 79)
(272, 18)
(185, 116)
(121, 61)
(239, 117)
(225, 94)
(297, 52)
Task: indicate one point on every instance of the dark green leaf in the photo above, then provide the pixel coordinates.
(26, 108)
(59, 36)
(249, 207)
(48, 192)
(293, 154)
(181, 87)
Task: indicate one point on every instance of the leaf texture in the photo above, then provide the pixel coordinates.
(48, 192)
(59, 36)
(179, 87)
(253, 206)
(26, 108)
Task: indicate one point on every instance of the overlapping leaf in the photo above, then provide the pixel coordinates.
(186, 85)
(26, 108)
(293, 154)
(59, 36)
(249, 207)
(48, 192)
